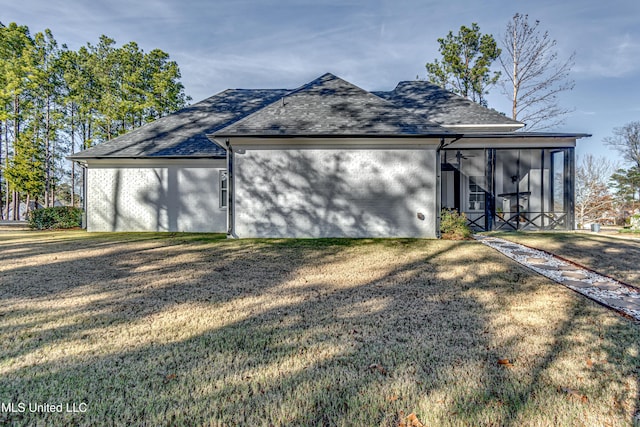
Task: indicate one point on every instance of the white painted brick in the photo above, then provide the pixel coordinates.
(166, 196)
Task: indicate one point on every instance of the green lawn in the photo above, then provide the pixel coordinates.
(158, 329)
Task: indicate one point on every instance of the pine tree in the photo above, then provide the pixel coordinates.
(54, 101)
(466, 61)
(16, 66)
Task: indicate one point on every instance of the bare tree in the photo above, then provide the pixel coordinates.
(594, 201)
(626, 141)
(533, 74)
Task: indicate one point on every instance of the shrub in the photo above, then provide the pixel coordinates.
(453, 225)
(56, 217)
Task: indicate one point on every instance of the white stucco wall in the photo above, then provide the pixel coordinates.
(290, 191)
(159, 195)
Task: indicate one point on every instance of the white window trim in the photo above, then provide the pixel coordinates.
(468, 191)
(223, 189)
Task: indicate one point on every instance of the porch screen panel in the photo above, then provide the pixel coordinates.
(558, 181)
(473, 183)
(507, 188)
(532, 181)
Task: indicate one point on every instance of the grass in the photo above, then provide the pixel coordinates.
(157, 329)
(615, 257)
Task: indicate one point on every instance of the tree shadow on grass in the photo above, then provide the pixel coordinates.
(308, 333)
(16, 246)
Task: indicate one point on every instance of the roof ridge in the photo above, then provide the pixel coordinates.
(291, 92)
(311, 99)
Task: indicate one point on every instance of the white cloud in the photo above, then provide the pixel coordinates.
(616, 56)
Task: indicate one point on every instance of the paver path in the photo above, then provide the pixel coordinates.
(607, 291)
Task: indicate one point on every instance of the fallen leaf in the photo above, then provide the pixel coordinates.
(414, 421)
(505, 362)
(589, 363)
(392, 398)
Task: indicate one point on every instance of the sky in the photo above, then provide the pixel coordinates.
(375, 44)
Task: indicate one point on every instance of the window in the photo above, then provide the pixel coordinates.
(224, 188)
(476, 193)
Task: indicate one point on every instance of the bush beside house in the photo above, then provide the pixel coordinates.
(55, 217)
(453, 225)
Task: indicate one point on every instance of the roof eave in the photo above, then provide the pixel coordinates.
(84, 158)
(508, 127)
(214, 137)
(498, 135)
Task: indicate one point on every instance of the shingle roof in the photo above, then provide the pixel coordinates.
(327, 106)
(330, 106)
(183, 133)
(443, 107)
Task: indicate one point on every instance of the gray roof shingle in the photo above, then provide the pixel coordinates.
(443, 107)
(327, 106)
(183, 133)
(331, 106)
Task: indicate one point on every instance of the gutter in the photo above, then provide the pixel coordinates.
(108, 157)
(372, 136)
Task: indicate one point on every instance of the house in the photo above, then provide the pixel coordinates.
(330, 159)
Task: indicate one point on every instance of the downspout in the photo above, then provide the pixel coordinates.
(83, 166)
(438, 187)
(230, 192)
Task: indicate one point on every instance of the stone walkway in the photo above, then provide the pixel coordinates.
(609, 292)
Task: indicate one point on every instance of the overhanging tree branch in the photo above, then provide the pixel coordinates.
(533, 74)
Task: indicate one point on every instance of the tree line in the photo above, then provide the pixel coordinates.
(55, 101)
(606, 192)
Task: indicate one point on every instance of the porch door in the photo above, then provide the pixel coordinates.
(464, 185)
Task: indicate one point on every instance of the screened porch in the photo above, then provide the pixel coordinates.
(509, 189)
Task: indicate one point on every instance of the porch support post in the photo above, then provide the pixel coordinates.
(490, 198)
(569, 177)
(438, 188)
(543, 218)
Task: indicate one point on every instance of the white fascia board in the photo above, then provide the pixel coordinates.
(388, 143)
(504, 127)
(219, 142)
(155, 162)
(532, 142)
